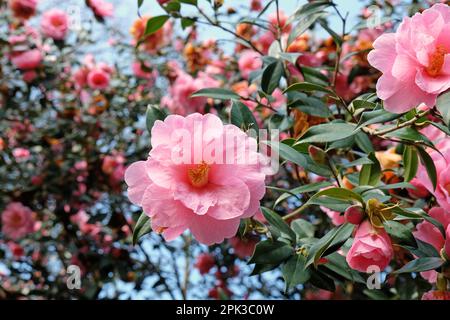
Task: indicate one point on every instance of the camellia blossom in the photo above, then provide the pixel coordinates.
(101, 8)
(415, 60)
(55, 24)
(27, 60)
(17, 220)
(154, 41)
(23, 9)
(248, 62)
(371, 247)
(430, 234)
(210, 191)
(98, 79)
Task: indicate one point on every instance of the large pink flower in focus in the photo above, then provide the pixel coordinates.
(415, 60)
(371, 247)
(55, 24)
(17, 220)
(207, 197)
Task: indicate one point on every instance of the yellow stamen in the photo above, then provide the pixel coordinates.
(198, 174)
(437, 60)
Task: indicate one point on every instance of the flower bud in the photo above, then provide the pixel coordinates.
(354, 214)
(317, 154)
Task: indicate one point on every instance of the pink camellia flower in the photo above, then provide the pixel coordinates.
(436, 295)
(193, 180)
(163, 1)
(430, 234)
(441, 161)
(23, 9)
(27, 60)
(98, 79)
(371, 247)
(17, 220)
(205, 262)
(55, 24)
(243, 247)
(101, 8)
(415, 60)
(21, 154)
(248, 62)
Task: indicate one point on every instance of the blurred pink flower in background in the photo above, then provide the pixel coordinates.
(21, 154)
(55, 24)
(430, 234)
(23, 9)
(98, 79)
(205, 262)
(243, 247)
(248, 62)
(207, 198)
(27, 60)
(17, 220)
(101, 8)
(415, 60)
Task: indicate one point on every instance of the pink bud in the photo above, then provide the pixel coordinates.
(354, 214)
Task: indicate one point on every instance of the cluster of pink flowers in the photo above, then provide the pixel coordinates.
(179, 100)
(114, 166)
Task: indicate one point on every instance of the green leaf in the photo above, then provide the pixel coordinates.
(302, 189)
(336, 235)
(277, 222)
(312, 106)
(420, 265)
(271, 76)
(291, 154)
(216, 93)
(191, 2)
(142, 227)
(370, 174)
(420, 214)
(152, 114)
(303, 228)
(376, 116)
(154, 24)
(303, 24)
(410, 162)
(322, 281)
(423, 249)
(410, 134)
(261, 268)
(294, 272)
(242, 117)
(443, 106)
(337, 38)
(363, 142)
(337, 263)
(269, 252)
(400, 233)
(187, 22)
(338, 193)
(328, 132)
(308, 87)
(428, 162)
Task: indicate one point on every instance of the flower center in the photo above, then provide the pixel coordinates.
(198, 174)
(16, 220)
(436, 61)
